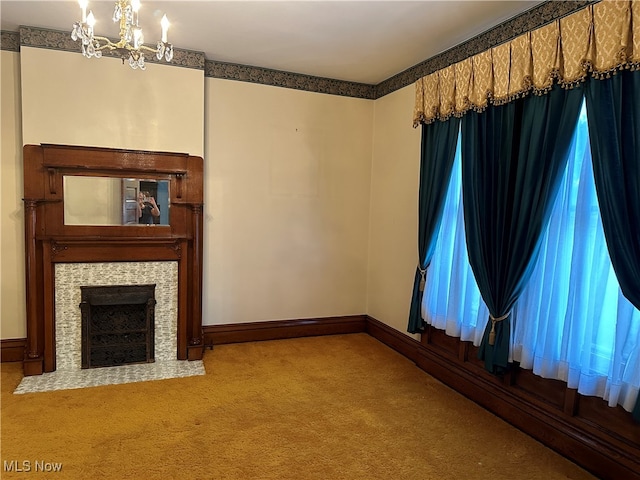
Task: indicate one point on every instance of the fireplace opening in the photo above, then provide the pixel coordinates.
(117, 325)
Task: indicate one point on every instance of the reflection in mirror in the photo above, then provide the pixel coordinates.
(115, 201)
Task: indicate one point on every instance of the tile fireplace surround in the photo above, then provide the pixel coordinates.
(69, 277)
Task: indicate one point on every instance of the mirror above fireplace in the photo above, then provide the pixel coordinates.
(92, 200)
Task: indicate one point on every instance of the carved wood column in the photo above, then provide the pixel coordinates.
(33, 354)
(50, 250)
(184, 306)
(196, 346)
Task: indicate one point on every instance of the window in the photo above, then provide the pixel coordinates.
(571, 322)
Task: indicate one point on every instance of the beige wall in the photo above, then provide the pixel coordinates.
(393, 245)
(310, 199)
(287, 203)
(72, 100)
(12, 291)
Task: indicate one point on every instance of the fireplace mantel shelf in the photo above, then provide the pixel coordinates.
(124, 241)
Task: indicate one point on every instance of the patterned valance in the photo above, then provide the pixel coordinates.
(596, 40)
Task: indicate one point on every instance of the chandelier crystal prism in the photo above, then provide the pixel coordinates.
(131, 46)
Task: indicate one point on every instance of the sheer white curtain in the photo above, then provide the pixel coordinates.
(571, 322)
(451, 300)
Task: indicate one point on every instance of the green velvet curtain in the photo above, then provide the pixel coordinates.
(613, 112)
(437, 152)
(513, 157)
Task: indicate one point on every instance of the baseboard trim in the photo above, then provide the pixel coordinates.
(394, 339)
(12, 350)
(607, 444)
(281, 329)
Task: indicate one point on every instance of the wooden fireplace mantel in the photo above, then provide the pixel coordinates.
(49, 241)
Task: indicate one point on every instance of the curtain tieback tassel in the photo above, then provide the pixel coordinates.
(494, 320)
(423, 274)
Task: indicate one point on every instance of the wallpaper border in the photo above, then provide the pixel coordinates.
(279, 78)
(530, 20)
(10, 41)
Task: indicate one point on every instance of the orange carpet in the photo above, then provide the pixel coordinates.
(333, 407)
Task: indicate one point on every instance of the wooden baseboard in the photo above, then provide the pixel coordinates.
(280, 329)
(391, 337)
(12, 350)
(601, 439)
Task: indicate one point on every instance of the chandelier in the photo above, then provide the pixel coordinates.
(131, 45)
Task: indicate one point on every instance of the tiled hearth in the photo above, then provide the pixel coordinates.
(69, 277)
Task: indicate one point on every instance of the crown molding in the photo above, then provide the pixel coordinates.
(536, 17)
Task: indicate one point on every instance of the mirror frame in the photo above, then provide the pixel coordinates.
(50, 241)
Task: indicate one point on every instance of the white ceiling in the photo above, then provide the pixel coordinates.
(361, 41)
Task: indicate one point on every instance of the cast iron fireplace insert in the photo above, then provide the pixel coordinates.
(117, 325)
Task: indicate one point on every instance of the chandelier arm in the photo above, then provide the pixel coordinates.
(108, 44)
(148, 49)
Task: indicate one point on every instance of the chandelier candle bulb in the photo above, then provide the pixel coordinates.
(91, 21)
(165, 27)
(135, 5)
(83, 7)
